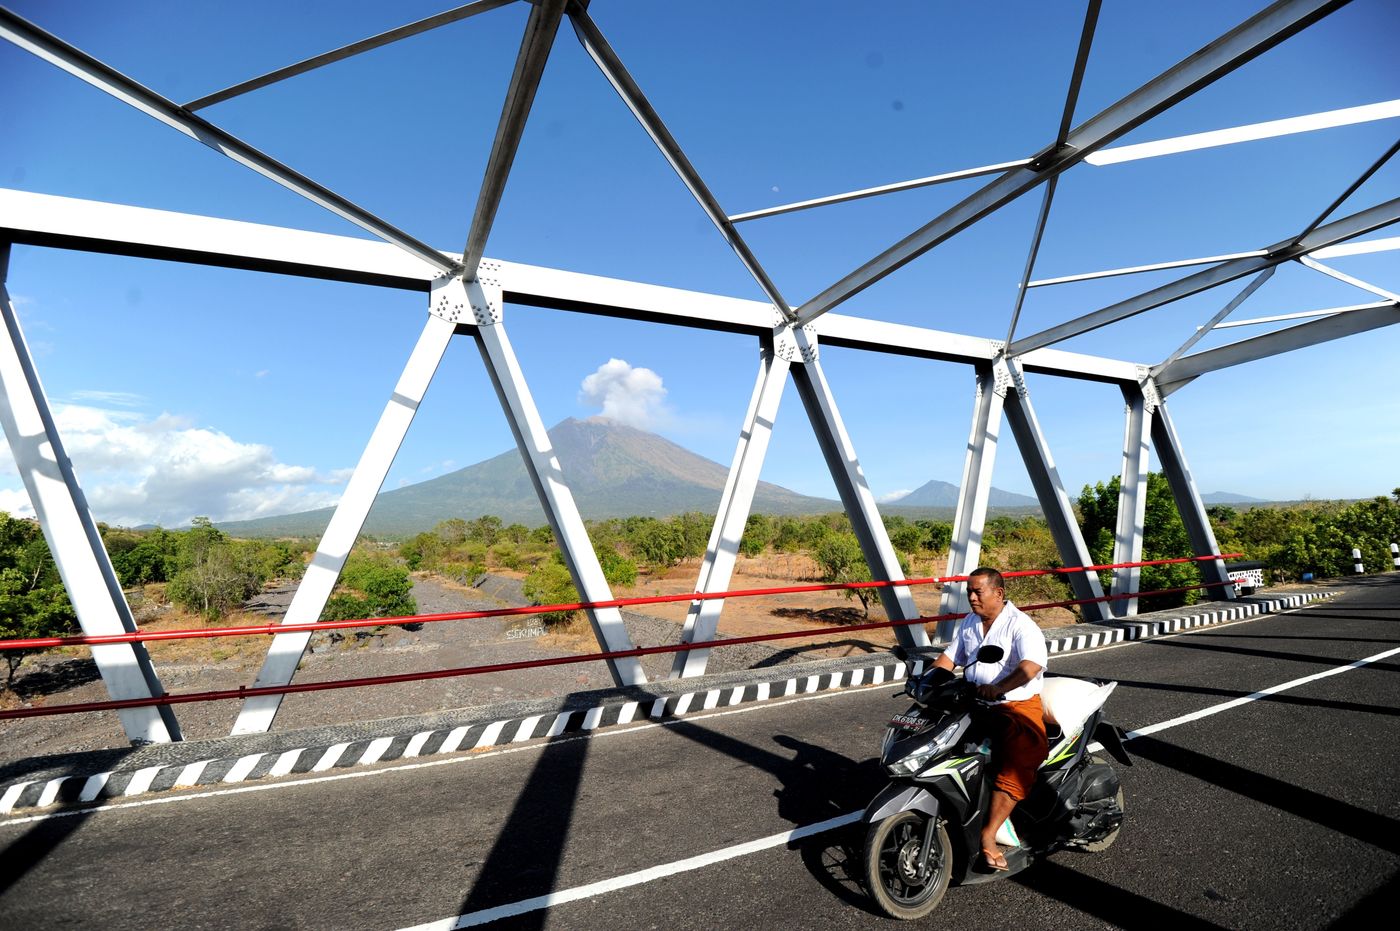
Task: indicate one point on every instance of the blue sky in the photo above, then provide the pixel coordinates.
(184, 390)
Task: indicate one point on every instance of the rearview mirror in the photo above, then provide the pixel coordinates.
(990, 654)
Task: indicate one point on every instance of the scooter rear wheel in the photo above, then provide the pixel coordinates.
(893, 849)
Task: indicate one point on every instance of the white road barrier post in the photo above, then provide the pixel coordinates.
(1395, 554)
(1356, 558)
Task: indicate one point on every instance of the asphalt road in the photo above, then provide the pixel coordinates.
(1278, 813)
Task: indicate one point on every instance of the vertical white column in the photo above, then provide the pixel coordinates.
(285, 651)
(1054, 501)
(702, 620)
(1132, 499)
(72, 534)
(973, 494)
(1359, 568)
(547, 477)
(1395, 555)
(1189, 505)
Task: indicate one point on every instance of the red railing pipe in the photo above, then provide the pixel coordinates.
(243, 692)
(33, 643)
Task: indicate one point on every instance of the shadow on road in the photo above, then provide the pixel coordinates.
(1203, 643)
(1367, 826)
(1362, 915)
(817, 784)
(1114, 905)
(33, 846)
(524, 862)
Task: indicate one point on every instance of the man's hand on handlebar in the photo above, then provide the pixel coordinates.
(990, 692)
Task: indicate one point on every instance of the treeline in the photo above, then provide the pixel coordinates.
(207, 572)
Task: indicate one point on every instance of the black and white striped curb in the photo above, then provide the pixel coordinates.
(1143, 629)
(82, 789)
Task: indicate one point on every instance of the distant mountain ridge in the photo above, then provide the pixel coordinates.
(613, 471)
(936, 494)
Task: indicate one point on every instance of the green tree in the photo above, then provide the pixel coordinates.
(550, 583)
(215, 575)
(371, 585)
(33, 601)
(758, 533)
(1164, 537)
(656, 543)
(840, 558)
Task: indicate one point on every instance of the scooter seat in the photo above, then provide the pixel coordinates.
(1069, 702)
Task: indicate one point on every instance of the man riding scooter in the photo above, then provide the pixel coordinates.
(1012, 684)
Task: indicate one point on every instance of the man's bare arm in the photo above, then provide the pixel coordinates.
(1024, 672)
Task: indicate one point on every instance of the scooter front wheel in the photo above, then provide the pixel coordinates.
(905, 883)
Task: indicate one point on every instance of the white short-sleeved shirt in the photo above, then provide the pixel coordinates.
(1019, 638)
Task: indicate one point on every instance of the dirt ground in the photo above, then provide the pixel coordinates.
(68, 675)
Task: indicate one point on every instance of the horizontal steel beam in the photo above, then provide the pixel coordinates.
(346, 51)
(1245, 42)
(1280, 341)
(1358, 224)
(92, 226)
(50, 48)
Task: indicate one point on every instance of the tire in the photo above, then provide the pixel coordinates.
(892, 851)
(1106, 842)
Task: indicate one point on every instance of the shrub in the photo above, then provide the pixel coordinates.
(550, 583)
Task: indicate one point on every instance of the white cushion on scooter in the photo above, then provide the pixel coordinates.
(1069, 702)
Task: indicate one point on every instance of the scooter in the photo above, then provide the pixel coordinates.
(924, 828)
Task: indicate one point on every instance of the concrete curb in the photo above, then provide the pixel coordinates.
(89, 778)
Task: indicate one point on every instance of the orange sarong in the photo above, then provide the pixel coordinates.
(1018, 745)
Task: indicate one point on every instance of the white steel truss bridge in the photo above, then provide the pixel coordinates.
(468, 296)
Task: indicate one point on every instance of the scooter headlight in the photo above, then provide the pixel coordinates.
(918, 759)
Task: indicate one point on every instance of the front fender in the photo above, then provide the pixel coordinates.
(897, 797)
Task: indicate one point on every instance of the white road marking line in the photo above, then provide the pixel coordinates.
(1256, 696)
(472, 919)
(141, 782)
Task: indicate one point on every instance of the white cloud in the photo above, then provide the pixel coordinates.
(111, 398)
(633, 396)
(894, 496)
(136, 470)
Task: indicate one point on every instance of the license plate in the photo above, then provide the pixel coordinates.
(910, 722)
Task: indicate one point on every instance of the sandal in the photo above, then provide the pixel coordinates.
(994, 860)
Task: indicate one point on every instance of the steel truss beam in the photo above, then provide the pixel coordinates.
(717, 568)
(1336, 326)
(83, 66)
(974, 493)
(540, 30)
(346, 51)
(286, 650)
(855, 494)
(72, 534)
(1358, 224)
(1132, 496)
(1245, 42)
(1045, 478)
(1190, 506)
(454, 305)
(548, 478)
(92, 226)
(627, 88)
(1213, 322)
